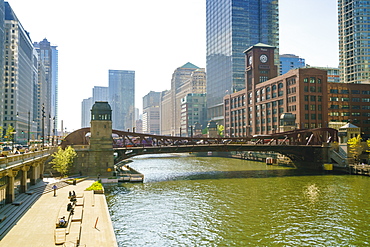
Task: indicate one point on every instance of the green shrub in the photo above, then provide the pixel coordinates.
(95, 186)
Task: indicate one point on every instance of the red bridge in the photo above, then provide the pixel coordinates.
(305, 147)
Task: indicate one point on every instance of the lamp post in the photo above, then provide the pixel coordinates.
(42, 125)
(53, 131)
(49, 129)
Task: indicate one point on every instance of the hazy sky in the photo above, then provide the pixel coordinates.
(153, 38)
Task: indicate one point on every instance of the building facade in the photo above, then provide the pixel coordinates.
(122, 98)
(100, 94)
(257, 109)
(48, 57)
(20, 79)
(86, 106)
(233, 26)
(2, 39)
(350, 102)
(290, 61)
(193, 112)
(185, 79)
(151, 113)
(354, 41)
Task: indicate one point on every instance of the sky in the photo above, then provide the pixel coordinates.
(153, 38)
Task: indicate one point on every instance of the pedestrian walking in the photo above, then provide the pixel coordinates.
(55, 190)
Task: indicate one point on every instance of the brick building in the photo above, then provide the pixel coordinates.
(257, 109)
(303, 92)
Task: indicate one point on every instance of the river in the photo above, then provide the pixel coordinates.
(211, 201)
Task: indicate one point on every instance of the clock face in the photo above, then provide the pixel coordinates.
(250, 60)
(263, 58)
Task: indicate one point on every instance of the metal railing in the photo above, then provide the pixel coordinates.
(13, 160)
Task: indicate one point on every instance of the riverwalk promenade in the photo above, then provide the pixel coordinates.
(37, 227)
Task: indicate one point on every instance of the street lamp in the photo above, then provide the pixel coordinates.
(53, 130)
(42, 125)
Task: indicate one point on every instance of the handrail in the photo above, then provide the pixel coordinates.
(21, 158)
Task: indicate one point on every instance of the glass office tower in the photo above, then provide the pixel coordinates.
(232, 27)
(122, 98)
(354, 41)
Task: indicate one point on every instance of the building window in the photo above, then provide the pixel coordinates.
(305, 80)
(313, 116)
(312, 79)
(313, 107)
(312, 98)
(306, 98)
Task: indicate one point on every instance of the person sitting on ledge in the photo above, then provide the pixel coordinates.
(62, 221)
(69, 206)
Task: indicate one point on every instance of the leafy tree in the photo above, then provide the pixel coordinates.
(1, 132)
(355, 147)
(9, 133)
(220, 130)
(63, 159)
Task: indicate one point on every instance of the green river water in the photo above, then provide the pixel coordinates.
(210, 201)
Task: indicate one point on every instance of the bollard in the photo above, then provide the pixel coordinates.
(96, 222)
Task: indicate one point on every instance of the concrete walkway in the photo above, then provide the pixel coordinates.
(37, 226)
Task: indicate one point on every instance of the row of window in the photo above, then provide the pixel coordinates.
(349, 99)
(358, 107)
(345, 91)
(357, 114)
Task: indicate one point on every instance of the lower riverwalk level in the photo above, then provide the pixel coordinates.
(91, 225)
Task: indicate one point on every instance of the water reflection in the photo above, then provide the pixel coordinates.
(187, 201)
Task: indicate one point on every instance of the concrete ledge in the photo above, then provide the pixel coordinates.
(77, 216)
(17, 203)
(74, 232)
(60, 236)
(3, 217)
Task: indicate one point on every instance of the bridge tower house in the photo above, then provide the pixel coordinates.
(101, 160)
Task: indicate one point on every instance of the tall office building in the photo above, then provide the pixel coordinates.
(232, 27)
(122, 98)
(354, 41)
(2, 34)
(86, 106)
(100, 94)
(48, 55)
(151, 113)
(185, 79)
(20, 78)
(290, 61)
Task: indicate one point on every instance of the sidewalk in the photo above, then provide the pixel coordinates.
(37, 226)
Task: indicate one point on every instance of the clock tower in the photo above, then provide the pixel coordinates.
(260, 65)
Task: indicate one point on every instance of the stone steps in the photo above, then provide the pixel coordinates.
(11, 213)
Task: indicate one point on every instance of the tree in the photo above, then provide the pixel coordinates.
(355, 147)
(1, 132)
(220, 130)
(9, 134)
(63, 159)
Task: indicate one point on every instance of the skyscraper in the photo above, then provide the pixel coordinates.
(2, 33)
(151, 113)
(290, 61)
(122, 98)
(354, 40)
(20, 78)
(232, 27)
(185, 79)
(100, 94)
(86, 106)
(48, 55)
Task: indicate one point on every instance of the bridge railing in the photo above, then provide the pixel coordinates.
(11, 160)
